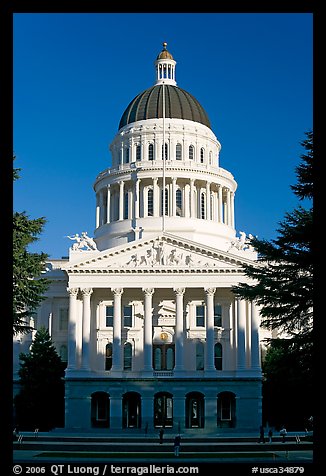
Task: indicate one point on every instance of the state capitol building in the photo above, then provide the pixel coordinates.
(144, 313)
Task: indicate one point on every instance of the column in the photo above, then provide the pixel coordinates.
(136, 198)
(156, 198)
(101, 207)
(116, 348)
(108, 204)
(241, 341)
(186, 199)
(148, 331)
(173, 196)
(255, 324)
(72, 328)
(192, 208)
(232, 210)
(227, 325)
(209, 354)
(85, 363)
(121, 201)
(179, 332)
(220, 204)
(228, 207)
(208, 201)
(97, 224)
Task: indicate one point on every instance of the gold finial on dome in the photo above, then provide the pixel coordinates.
(164, 53)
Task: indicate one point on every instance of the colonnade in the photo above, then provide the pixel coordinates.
(245, 335)
(187, 198)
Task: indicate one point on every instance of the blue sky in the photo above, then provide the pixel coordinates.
(74, 75)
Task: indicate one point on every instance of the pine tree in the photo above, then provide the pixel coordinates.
(283, 274)
(28, 286)
(282, 284)
(40, 403)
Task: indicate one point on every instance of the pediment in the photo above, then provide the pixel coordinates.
(165, 253)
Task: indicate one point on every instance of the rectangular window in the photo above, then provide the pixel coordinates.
(217, 315)
(200, 316)
(109, 316)
(63, 319)
(127, 316)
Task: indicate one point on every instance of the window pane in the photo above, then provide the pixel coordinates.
(63, 319)
(169, 358)
(127, 316)
(138, 156)
(151, 152)
(108, 356)
(127, 357)
(178, 152)
(217, 315)
(178, 199)
(109, 316)
(150, 207)
(200, 316)
(199, 356)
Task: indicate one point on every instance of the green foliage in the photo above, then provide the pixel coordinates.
(281, 282)
(28, 285)
(282, 278)
(288, 396)
(40, 401)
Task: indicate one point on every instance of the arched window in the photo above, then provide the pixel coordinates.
(178, 151)
(202, 155)
(151, 152)
(210, 157)
(100, 410)
(218, 356)
(127, 356)
(127, 155)
(150, 202)
(191, 152)
(166, 151)
(195, 410)
(163, 356)
(138, 152)
(203, 205)
(163, 410)
(178, 202)
(226, 410)
(199, 356)
(108, 356)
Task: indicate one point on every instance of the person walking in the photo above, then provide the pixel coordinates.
(283, 433)
(161, 434)
(177, 442)
(270, 435)
(261, 434)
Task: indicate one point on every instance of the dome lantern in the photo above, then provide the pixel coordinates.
(165, 67)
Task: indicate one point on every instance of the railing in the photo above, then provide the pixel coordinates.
(163, 373)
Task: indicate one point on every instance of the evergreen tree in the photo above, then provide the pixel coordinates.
(282, 284)
(40, 403)
(28, 286)
(283, 274)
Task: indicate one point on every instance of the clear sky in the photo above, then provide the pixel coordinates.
(74, 75)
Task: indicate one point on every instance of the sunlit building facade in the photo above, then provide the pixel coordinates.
(144, 313)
